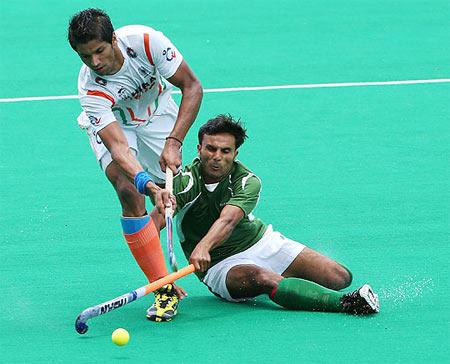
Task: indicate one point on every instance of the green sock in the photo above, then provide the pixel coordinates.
(300, 294)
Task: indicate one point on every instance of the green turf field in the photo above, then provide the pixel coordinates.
(359, 173)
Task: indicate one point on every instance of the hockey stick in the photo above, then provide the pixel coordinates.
(169, 219)
(105, 307)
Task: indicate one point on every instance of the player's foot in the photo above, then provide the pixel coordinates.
(165, 306)
(361, 302)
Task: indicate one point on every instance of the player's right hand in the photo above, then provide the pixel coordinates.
(201, 258)
(171, 156)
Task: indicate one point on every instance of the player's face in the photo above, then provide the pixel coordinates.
(102, 57)
(217, 154)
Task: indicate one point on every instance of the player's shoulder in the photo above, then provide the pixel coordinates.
(242, 175)
(239, 169)
(193, 170)
(85, 78)
(132, 36)
(187, 181)
(134, 32)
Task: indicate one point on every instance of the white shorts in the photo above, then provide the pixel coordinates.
(273, 252)
(147, 142)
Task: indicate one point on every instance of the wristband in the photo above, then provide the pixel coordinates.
(175, 138)
(140, 181)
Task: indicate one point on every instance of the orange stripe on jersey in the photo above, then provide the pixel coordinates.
(147, 48)
(133, 117)
(101, 94)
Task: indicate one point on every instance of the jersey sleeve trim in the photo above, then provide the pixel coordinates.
(102, 94)
(147, 48)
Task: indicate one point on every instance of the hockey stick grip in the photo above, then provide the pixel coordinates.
(169, 227)
(105, 307)
(169, 187)
(169, 180)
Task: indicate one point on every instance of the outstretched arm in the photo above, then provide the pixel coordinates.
(218, 233)
(192, 94)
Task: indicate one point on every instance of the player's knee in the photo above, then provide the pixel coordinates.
(342, 277)
(127, 192)
(244, 275)
(265, 280)
(252, 276)
(133, 203)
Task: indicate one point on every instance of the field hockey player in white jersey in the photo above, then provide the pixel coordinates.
(134, 127)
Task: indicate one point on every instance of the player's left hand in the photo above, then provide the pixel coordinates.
(171, 156)
(163, 199)
(179, 291)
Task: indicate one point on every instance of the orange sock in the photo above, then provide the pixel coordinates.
(146, 249)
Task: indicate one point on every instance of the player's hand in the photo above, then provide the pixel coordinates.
(180, 292)
(164, 199)
(171, 156)
(200, 258)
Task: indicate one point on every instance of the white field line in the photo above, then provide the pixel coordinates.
(259, 88)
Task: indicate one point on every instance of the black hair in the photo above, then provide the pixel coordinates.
(89, 24)
(224, 124)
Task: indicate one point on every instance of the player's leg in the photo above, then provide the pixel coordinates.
(143, 241)
(259, 269)
(131, 201)
(315, 267)
(150, 143)
(246, 281)
(139, 230)
(311, 281)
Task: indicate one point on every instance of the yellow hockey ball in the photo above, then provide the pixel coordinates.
(120, 337)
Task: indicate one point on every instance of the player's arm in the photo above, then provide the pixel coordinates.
(116, 142)
(192, 94)
(158, 216)
(218, 233)
(244, 200)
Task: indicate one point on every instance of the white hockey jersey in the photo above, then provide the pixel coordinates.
(138, 90)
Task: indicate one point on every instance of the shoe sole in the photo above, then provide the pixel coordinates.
(159, 318)
(165, 317)
(371, 298)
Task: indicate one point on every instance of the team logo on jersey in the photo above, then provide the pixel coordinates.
(169, 54)
(93, 120)
(122, 91)
(101, 81)
(131, 52)
(97, 138)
